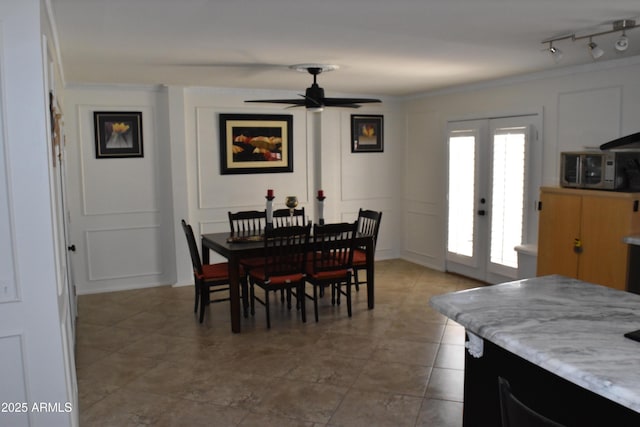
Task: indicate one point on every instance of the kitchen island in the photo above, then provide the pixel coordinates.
(558, 341)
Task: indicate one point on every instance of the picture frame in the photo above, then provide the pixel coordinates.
(118, 134)
(256, 143)
(367, 133)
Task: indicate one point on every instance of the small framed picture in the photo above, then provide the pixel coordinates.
(366, 133)
(118, 134)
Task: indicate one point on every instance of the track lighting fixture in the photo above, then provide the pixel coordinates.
(621, 44)
(595, 50)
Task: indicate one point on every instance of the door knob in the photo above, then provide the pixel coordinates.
(71, 248)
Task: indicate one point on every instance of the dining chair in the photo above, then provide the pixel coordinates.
(210, 278)
(282, 217)
(283, 268)
(248, 223)
(330, 262)
(514, 413)
(368, 225)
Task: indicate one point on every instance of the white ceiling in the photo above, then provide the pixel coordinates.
(383, 47)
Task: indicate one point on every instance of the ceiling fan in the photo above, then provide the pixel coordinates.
(314, 98)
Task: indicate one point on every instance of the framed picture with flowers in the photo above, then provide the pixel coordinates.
(366, 133)
(256, 143)
(118, 134)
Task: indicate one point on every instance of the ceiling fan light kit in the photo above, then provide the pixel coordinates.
(313, 99)
(620, 45)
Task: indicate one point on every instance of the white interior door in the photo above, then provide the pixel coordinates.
(488, 189)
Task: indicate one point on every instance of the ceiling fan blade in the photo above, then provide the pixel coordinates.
(300, 102)
(345, 105)
(336, 102)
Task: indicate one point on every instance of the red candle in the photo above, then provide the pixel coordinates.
(269, 193)
(320, 193)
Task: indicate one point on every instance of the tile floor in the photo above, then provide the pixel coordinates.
(143, 359)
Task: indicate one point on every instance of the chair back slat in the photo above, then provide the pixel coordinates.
(193, 248)
(333, 246)
(283, 218)
(286, 250)
(247, 222)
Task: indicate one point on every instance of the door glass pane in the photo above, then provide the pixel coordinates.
(461, 194)
(507, 196)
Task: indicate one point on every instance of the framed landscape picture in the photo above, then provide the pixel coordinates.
(256, 143)
(118, 134)
(366, 133)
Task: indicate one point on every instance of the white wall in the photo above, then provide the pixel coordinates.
(34, 312)
(126, 212)
(582, 106)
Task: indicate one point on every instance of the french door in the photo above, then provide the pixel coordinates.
(488, 194)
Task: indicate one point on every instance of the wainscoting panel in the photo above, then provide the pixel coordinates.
(243, 191)
(14, 389)
(589, 118)
(118, 185)
(124, 252)
(8, 288)
(424, 235)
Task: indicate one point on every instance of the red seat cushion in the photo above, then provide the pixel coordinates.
(259, 275)
(218, 271)
(327, 275)
(359, 257)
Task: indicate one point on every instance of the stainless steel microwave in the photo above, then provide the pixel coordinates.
(604, 170)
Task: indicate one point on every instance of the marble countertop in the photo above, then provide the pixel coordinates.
(569, 327)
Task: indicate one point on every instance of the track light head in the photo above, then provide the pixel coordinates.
(622, 43)
(595, 50)
(556, 53)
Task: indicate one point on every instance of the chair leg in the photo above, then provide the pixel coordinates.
(197, 292)
(204, 299)
(300, 301)
(349, 297)
(252, 298)
(333, 295)
(357, 282)
(288, 299)
(245, 297)
(315, 301)
(266, 307)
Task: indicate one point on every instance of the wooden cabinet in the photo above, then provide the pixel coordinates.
(581, 231)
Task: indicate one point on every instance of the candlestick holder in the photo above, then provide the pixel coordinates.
(321, 209)
(269, 224)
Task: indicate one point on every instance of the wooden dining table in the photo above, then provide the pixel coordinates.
(234, 251)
